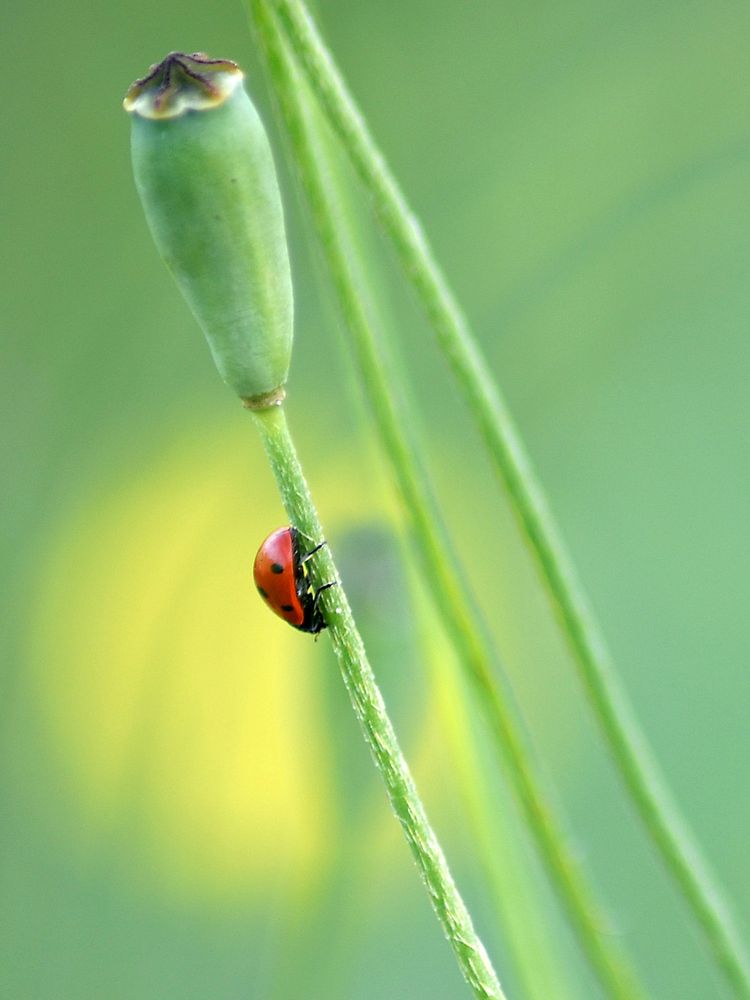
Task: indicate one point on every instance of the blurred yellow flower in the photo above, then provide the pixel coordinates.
(178, 706)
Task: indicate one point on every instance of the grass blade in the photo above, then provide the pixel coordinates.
(371, 713)
(660, 815)
(433, 547)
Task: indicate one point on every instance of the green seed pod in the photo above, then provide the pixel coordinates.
(205, 174)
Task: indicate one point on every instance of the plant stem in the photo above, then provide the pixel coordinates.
(456, 610)
(370, 710)
(621, 732)
(514, 881)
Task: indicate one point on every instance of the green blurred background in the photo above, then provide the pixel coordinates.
(187, 807)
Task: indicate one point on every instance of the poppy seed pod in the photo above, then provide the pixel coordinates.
(205, 174)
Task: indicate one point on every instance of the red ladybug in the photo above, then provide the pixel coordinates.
(283, 583)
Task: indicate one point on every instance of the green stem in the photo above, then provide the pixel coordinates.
(623, 735)
(456, 610)
(372, 716)
(515, 882)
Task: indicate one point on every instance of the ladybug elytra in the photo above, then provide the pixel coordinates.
(282, 581)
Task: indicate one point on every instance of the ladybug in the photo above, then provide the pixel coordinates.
(282, 581)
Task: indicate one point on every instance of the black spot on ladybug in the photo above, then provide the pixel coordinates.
(262, 593)
(287, 607)
(277, 568)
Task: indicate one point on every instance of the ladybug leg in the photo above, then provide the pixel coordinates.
(319, 591)
(317, 622)
(307, 555)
